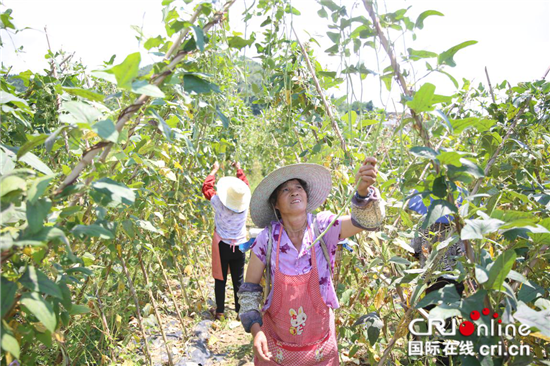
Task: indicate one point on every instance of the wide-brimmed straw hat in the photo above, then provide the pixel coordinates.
(234, 193)
(318, 181)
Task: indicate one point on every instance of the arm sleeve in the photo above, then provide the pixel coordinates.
(242, 176)
(208, 187)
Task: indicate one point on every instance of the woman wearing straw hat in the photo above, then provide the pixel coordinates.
(230, 203)
(297, 326)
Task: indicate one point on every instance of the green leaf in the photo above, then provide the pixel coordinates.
(163, 126)
(93, 231)
(114, 193)
(36, 281)
(84, 93)
(420, 20)
(330, 4)
(500, 269)
(34, 162)
(79, 309)
(424, 152)
(144, 88)
(467, 167)
(334, 37)
(146, 225)
(533, 318)
(476, 229)
(289, 9)
(240, 43)
(79, 112)
(38, 188)
(446, 295)
(153, 42)
(192, 83)
(31, 144)
(450, 158)
(106, 130)
(224, 119)
(12, 183)
(8, 290)
(438, 209)
(373, 324)
(346, 296)
(422, 100)
(37, 213)
(481, 124)
(530, 291)
(417, 55)
(127, 71)
(350, 118)
(9, 343)
(199, 37)
(446, 58)
(322, 13)
(6, 98)
(41, 309)
(439, 187)
(6, 163)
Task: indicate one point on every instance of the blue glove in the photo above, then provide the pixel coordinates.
(245, 246)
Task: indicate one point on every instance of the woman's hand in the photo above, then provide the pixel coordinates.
(367, 172)
(215, 168)
(260, 343)
(236, 165)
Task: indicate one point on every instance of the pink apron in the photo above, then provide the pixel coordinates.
(298, 325)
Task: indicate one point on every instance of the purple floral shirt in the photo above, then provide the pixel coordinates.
(293, 263)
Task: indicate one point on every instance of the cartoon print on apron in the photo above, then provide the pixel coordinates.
(298, 325)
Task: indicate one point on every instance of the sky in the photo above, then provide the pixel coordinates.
(513, 36)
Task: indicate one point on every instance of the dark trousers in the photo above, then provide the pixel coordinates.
(235, 261)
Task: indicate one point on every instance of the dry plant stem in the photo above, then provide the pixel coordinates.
(155, 309)
(178, 312)
(128, 112)
(182, 284)
(493, 158)
(322, 95)
(395, 65)
(490, 86)
(138, 311)
(392, 342)
(182, 34)
(106, 331)
(57, 96)
(546, 73)
(532, 263)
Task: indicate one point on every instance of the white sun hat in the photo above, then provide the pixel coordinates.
(316, 176)
(234, 193)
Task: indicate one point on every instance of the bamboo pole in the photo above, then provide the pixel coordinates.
(155, 309)
(138, 311)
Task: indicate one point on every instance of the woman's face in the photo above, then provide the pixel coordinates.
(291, 198)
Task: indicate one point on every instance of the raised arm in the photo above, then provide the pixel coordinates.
(208, 186)
(364, 196)
(240, 172)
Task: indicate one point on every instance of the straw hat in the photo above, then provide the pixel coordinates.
(234, 193)
(316, 176)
